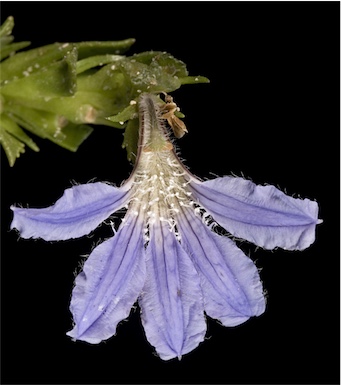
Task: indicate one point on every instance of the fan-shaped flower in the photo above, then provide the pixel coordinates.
(166, 254)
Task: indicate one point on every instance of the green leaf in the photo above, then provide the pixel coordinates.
(145, 78)
(55, 80)
(92, 48)
(12, 139)
(170, 65)
(48, 92)
(95, 61)
(41, 123)
(12, 128)
(7, 27)
(50, 126)
(37, 58)
(168, 62)
(75, 134)
(193, 80)
(131, 137)
(128, 113)
(7, 50)
(33, 60)
(6, 39)
(12, 146)
(100, 94)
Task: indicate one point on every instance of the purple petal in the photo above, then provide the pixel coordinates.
(79, 211)
(230, 281)
(171, 301)
(108, 286)
(262, 215)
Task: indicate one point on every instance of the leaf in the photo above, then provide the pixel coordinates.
(50, 126)
(94, 61)
(6, 39)
(100, 94)
(13, 139)
(7, 27)
(128, 113)
(55, 80)
(75, 134)
(12, 146)
(92, 48)
(7, 50)
(169, 65)
(168, 62)
(145, 78)
(131, 137)
(193, 80)
(55, 90)
(12, 128)
(18, 65)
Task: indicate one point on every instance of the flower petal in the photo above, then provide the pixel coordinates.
(262, 215)
(230, 281)
(171, 301)
(79, 211)
(108, 286)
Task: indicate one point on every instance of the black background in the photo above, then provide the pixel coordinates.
(270, 112)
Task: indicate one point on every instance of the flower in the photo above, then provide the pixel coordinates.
(165, 253)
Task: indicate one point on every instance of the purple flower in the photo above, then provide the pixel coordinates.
(166, 254)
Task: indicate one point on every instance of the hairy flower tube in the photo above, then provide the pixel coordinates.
(165, 253)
